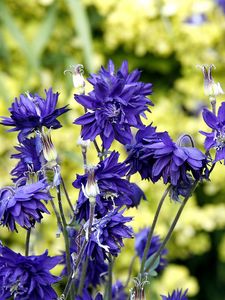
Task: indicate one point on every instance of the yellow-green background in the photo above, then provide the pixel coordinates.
(39, 39)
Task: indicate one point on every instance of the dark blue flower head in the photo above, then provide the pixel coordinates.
(108, 233)
(29, 160)
(117, 102)
(118, 292)
(176, 295)
(221, 3)
(136, 196)
(140, 242)
(26, 277)
(31, 112)
(156, 156)
(23, 205)
(114, 190)
(216, 138)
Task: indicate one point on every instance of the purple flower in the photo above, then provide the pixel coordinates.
(31, 112)
(216, 138)
(26, 277)
(22, 205)
(156, 156)
(115, 105)
(114, 190)
(221, 3)
(196, 19)
(118, 292)
(176, 295)
(136, 196)
(108, 233)
(29, 159)
(140, 242)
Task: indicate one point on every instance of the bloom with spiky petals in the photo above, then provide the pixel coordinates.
(117, 102)
(118, 292)
(26, 277)
(157, 156)
(108, 233)
(140, 242)
(216, 138)
(176, 295)
(29, 159)
(31, 112)
(23, 205)
(114, 190)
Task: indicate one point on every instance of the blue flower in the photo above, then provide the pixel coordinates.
(22, 205)
(216, 138)
(108, 233)
(221, 3)
(156, 156)
(118, 292)
(176, 295)
(114, 190)
(29, 159)
(140, 242)
(26, 277)
(114, 106)
(31, 112)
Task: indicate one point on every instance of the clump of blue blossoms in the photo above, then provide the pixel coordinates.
(26, 277)
(116, 104)
(94, 226)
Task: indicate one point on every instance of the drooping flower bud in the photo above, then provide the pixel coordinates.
(77, 72)
(212, 89)
(49, 151)
(91, 189)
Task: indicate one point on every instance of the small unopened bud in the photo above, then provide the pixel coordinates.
(185, 140)
(77, 72)
(83, 143)
(49, 151)
(91, 189)
(212, 89)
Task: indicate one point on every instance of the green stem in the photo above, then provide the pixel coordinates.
(170, 231)
(82, 276)
(130, 270)
(150, 234)
(67, 195)
(58, 218)
(65, 235)
(27, 241)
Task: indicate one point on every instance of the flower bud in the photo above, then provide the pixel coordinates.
(91, 189)
(212, 89)
(77, 74)
(49, 151)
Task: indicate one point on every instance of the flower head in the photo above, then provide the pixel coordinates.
(29, 160)
(156, 156)
(110, 188)
(216, 138)
(108, 233)
(22, 205)
(26, 277)
(115, 105)
(118, 292)
(140, 242)
(31, 112)
(176, 295)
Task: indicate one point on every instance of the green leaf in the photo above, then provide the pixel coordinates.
(11, 25)
(45, 31)
(83, 29)
(148, 263)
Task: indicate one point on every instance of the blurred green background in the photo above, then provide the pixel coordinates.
(166, 39)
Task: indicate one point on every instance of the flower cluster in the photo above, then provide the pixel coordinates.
(26, 277)
(117, 102)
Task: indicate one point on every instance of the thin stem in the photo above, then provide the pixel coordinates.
(67, 195)
(170, 231)
(150, 234)
(65, 235)
(82, 276)
(130, 270)
(27, 241)
(97, 148)
(213, 103)
(58, 218)
(91, 218)
(110, 267)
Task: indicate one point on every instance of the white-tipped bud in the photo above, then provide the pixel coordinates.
(49, 151)
(212, 89)
(83, 143)
(77, 72)
(91, 189)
